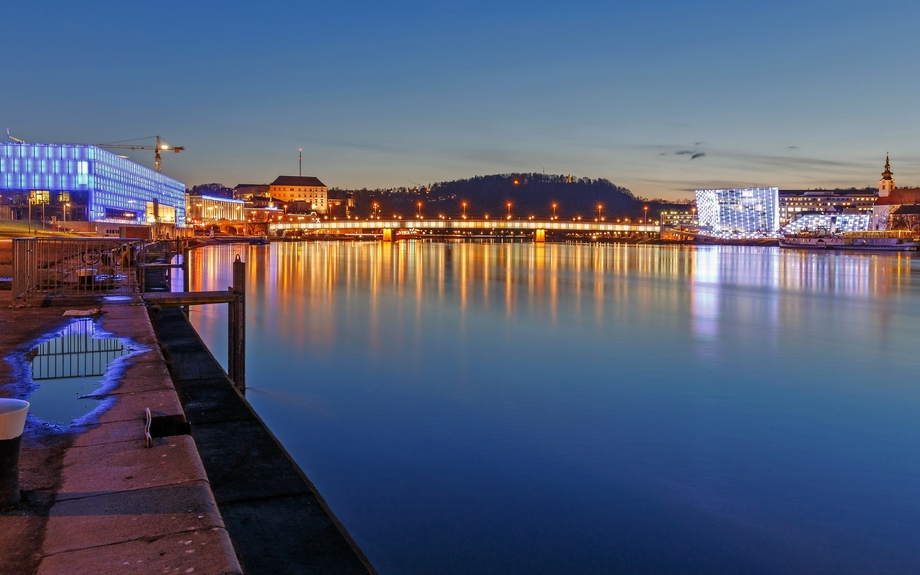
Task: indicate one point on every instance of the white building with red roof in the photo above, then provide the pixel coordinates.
(892, 201)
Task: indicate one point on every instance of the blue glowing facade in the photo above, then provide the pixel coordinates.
(87, 183)
(738, 211)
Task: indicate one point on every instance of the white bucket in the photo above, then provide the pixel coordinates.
(12, 417)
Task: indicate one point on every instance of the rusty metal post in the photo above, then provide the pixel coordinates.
(236, 360)
(231, 337)
(186, 282)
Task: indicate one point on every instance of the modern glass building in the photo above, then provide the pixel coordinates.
(74, 183)
(828, 224)
(746, 211)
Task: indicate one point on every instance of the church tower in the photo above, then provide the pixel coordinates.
(887, 184)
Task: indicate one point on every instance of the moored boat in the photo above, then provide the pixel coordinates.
(901, 241)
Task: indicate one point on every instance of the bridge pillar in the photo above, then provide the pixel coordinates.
(388, 234)
(539, 236)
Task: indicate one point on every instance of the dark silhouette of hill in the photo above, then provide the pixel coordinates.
(529, 195)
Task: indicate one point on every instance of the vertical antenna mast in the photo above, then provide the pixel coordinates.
(300, 163)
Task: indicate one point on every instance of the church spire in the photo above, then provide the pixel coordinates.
(887, 184)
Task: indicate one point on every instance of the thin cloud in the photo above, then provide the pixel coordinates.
(697, 155)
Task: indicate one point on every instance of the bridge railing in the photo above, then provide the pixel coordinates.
(497, 224)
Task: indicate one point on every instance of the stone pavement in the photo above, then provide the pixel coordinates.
(96, 499)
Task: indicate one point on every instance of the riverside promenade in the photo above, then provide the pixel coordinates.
(97, 500)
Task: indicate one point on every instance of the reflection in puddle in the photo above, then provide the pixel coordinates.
(67, 368)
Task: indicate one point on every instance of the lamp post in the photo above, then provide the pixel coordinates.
(646, 214)
(419, 210)
(509, 210)
(463, 205)
(554, 210)
(599, 207)
(66, 207)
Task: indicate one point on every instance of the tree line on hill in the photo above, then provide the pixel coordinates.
(530, 194)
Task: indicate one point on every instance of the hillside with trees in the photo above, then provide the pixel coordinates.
(528, 194)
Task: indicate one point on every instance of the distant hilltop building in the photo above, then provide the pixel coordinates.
(896, 208)
(741, 211)
(249, 191)
(300, 194)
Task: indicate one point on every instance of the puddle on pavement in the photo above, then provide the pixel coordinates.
(67, 368)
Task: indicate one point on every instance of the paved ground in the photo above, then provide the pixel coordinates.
(96, 499)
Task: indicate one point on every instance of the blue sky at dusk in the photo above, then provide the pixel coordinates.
(659, 96)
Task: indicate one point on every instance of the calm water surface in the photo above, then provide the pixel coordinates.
(521, 408)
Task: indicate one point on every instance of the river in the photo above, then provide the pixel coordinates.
(528, 408)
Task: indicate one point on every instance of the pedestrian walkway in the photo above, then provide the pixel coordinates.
(97, 500)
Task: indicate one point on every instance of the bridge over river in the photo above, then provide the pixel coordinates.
(390, 229)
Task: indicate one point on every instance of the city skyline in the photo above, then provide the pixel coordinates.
(662, 98)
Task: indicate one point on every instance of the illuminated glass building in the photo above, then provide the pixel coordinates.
(80, 183)
(828, 224)
(202, 209)
(738, 211)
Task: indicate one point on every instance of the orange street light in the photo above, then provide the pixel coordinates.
(463, 205)
(554, 210)
(509, 210)
(646, 214)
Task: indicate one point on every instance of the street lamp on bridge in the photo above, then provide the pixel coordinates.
(463, 205)
(420, 210)
(509, 209)
(554, 210)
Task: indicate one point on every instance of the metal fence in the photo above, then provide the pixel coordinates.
(74, 267)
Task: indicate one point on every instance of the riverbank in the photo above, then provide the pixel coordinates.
(95, 499)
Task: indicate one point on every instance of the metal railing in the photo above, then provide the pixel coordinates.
(73, 267)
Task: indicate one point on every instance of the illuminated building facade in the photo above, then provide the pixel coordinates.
(795, 203)
(305, 191)
(75, 183)
(827, 223)
(211, 209)
(679, 218)
(738, 211)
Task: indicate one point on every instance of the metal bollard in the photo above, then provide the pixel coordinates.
(12, 421)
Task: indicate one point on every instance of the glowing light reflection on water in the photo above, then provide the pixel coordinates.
(521, 408)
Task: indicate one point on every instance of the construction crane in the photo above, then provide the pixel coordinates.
(17, 140)
(160, 145)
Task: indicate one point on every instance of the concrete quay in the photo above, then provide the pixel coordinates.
(216, 494)
(276, 518)
(96, 500)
